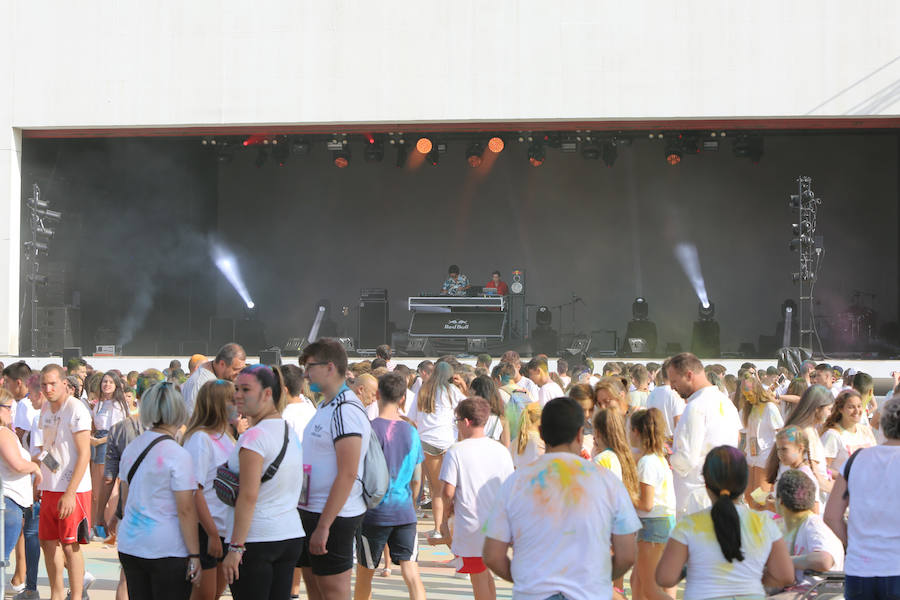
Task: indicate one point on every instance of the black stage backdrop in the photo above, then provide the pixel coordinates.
(143, 210)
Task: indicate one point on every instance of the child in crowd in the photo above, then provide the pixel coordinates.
(611, 450)
(791, 452)
(812, 545)
(656, 502)
(529, 446)
(761, 419)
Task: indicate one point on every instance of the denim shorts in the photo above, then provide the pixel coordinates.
(98, 452)
(656, 529)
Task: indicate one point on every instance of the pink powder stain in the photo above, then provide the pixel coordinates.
(250, 435)
(160, 460)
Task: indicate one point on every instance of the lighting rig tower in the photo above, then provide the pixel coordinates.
(806, 206)
(39, 216)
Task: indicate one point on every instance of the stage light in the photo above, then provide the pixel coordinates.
(788, 307)
(37, 279)
(374, 151)
(474, 153)
(424, 145)
(609, 153)
(804, 242)
(37, 204)
(673, 156)
(640, 310)
(280, 150)
(43, 231)
(590, 151)
(495, 145)
(690, 264)
(251, 305)
(536, 155)
(707, 312)
(50, 215)
(543, 316)
(801, 228)
(36, 247)
(748, 146)
(227, 265)
(341, 158)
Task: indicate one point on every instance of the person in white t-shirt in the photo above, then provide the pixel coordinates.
(65, 424)
(433, 415)
(667, 400)
(844, 433)
(562, 369)
(868, 487)
(512, 357)
(365, 386)
(709, 420)
(263, 529)
(473, 470)
(812, 545)
(547, 388)
(761, 419)
(563, 517)
(656, 500)
(729, 550)
(110, 409)
(209, 443)
(334, 450)
(640, 378)
(423, 371)
(157, 538)
(298, 409)
(229, 361)
(16, 470)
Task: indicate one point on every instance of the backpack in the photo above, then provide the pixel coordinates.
(376, 478)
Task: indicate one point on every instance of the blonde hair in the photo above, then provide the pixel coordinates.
(211, 408)
(616, 387)
(609, 425)
(440, 379)
(528, 423)
(759, 394)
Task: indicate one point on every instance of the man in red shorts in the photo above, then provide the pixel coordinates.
(66, 485)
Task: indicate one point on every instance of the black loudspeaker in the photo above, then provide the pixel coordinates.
(270, 357)
(69, 354)
(640, 338)
(373, 324)
(705, 339)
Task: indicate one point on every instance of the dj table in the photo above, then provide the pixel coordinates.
(457, 316)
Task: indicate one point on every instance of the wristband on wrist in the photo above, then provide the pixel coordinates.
(239, 548)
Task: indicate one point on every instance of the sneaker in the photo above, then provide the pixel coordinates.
(89, 579)
(12, 590)
(84, 595)
(27, 595)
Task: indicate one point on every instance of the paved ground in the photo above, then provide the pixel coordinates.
(440, 581)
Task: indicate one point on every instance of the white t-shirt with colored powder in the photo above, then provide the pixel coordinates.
(654, 470)
(559, 514)
(762, 423)
(476, 467)
(107, 413)
(814, 535)
(275, 515)
(57, 429)
(709, 575)
(609, 460)
(839, 443)
(150, 527)
(208, 452)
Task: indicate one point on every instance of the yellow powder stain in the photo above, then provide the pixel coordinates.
(726, 567)
(701, 524)
(755, 524)
(721, 409)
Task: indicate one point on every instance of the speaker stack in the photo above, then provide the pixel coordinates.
(373, 318)
(518, 317)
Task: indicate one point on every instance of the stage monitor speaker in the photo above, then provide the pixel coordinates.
(70, 353)
(292, 346)
(373, 324)
(604, 342)
(640, 338)
(270, 357)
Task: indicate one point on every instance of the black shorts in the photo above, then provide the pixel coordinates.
(207, 561)
(341, 536)
(402, 541)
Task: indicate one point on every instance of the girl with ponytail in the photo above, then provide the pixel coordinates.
(728, 549)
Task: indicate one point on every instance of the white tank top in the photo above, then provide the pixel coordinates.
(17, 486)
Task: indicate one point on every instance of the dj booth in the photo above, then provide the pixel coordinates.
(458, 317)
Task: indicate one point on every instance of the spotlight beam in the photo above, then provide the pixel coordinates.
(690, 263)
(227, 265)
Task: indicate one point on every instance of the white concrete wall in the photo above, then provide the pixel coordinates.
(129, 63)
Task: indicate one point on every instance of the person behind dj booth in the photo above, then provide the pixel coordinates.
(497, 284)
(456, 283)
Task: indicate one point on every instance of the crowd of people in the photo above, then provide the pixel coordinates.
(278, 481)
